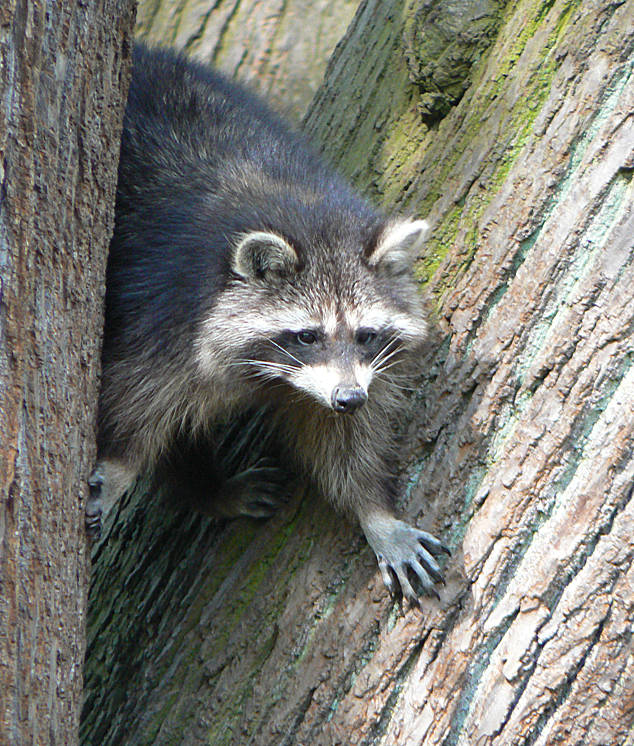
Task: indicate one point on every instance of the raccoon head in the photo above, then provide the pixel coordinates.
(326, 324)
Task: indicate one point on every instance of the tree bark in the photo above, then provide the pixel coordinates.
(62, 78)
(521, 432)
(280, 48)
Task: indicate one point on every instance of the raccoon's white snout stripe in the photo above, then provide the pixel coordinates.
(320, 381)
(363, 375)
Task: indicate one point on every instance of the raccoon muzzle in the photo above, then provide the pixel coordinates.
(347, 400)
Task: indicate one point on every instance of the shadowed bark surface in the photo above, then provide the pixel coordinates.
(521, 438)
(62, 76)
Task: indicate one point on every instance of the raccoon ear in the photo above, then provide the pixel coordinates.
(398, 244)
(260, 254)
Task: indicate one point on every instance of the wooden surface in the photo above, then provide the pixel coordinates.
(61, 78)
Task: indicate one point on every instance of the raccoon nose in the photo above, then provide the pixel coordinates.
(348, 400)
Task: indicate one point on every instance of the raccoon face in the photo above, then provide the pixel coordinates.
(332, 366)
(327, 325)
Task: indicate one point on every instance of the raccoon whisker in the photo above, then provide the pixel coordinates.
(286, 352)
(266, 374)
(265, 364)
(386, 361)
(384, 354)
(271, 370)
(280, 367)
(385, 366)
(382, 360)
(275, 382)
(255, 368)
(395, 385)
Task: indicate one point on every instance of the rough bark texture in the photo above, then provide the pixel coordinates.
(522, 434)
(61, 76)
(279, 47)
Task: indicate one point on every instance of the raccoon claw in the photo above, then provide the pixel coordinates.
(405, 554)
(93, 512)
(93, 523)
(257, 506)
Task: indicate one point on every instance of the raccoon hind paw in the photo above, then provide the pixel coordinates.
(259, 491)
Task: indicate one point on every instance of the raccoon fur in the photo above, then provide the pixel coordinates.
(244, 276)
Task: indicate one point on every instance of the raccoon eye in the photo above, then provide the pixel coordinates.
(365, 336)
(306, 337)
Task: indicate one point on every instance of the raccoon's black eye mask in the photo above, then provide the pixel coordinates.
(365, 337)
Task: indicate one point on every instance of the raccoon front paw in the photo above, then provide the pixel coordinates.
(258, 492)
(401, 549)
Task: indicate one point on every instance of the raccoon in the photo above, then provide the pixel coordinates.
(246, 279)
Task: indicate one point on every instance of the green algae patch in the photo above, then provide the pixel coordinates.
(442, 42)
(511, 102)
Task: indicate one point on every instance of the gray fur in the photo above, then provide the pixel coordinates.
(282, 293)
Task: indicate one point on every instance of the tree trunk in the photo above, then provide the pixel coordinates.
(61, 77)
(281, 48)
(521, 432)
